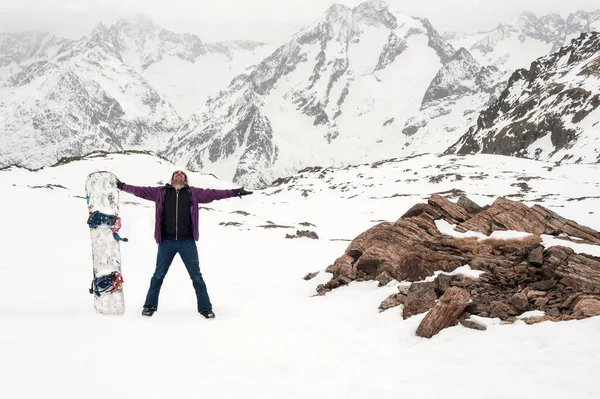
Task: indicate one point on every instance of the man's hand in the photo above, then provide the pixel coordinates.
(238, 192)
(120, 184)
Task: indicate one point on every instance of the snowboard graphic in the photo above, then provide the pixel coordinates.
(102, 197)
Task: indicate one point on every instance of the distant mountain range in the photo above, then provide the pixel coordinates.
(359, 84)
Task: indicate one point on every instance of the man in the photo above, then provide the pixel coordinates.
(176, 230)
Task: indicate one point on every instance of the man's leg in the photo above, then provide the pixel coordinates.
(189, 255)
(166, 252)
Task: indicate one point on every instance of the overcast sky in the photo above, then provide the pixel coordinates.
(264, 20)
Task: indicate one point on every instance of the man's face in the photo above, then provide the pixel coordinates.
(178, 177)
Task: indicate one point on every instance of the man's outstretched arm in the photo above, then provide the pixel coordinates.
(145, 192)
(205, 195)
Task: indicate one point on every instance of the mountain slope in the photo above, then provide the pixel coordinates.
(109, 91)
(339, 91)
(181, 67)
(549, 112)
(76, 99)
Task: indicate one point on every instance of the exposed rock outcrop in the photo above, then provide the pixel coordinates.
(515, 275)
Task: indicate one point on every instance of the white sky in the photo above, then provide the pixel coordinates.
(259, 19)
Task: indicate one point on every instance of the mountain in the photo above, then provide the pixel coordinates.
(510, 46)
(106, 91)
(340, 91)
(183, 68)
(480, 70)
(75, 98)
(19, 48)
(547, 112)
(460, 89)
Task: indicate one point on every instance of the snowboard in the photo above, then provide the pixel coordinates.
(102, 196)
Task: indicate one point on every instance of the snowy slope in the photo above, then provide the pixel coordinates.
(340, 91)
(271, 337)
(549, 112)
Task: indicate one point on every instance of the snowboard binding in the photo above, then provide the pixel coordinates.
(108, 283)
(98, 218)
(101, 219)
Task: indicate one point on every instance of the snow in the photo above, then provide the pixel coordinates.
(272, 337)
(531, 314)
(189, 88)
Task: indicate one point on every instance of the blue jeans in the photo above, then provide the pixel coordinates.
(189, 255)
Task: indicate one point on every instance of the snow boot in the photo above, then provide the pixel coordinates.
(148, 311)
(208, 314)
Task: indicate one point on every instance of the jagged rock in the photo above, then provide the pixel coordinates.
(446, 311)
(543, 285)
(536, 256)
(587, 307)
(504, 214)
(578, 271)
(392, 301)
(502, 310)
(310, 276)
(533, 294)
(303, 233)
(421, 297)
(412, 249)
(473, 325)
(384, 279)
(468, 205)
(520, 302)
(442, 283)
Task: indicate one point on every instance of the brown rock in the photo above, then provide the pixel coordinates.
(310, 276)
(421, 297)
(384, 279)
(502, 310)
(468, 205)
(536, 256)
(504, 214)
(392, 301)
(587, 307)
(446, 311)
(442, 283)
(519, 274)
(477, 308)
(558, 224)
(403, 288)
(543, 285)
(303, 233)
(553, 312)
(450, 210)
(578, 271)
(533, 294)
(541, 302)
(473, 324)
(520, 302)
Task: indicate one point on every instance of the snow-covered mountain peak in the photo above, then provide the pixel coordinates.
(20, 47)
(336, 11)
(346, 83)
(374, 13)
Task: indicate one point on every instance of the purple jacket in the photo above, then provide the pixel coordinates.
(157, 194)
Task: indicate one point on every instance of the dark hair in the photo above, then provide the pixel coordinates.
(184, 174)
